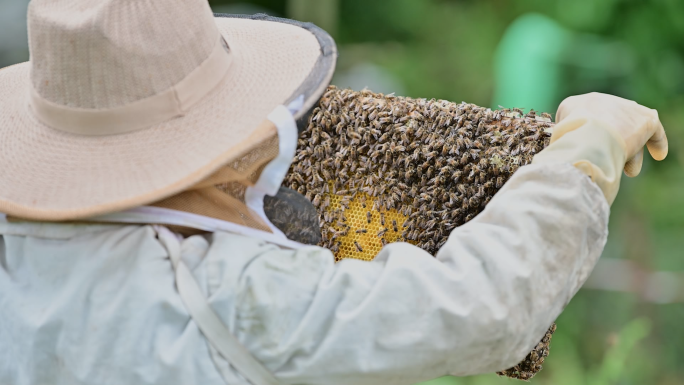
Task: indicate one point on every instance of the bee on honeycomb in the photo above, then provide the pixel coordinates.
(383, 168)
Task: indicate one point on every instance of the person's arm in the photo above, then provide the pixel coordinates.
(479, 306)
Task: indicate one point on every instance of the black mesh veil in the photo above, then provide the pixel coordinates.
(294, 215)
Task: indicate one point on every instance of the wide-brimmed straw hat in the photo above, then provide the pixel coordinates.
(124, 103)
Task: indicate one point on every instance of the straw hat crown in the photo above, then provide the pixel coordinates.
(136, 48)
(128, 102)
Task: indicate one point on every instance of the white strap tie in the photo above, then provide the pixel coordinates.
(216, 333)
(274, 173)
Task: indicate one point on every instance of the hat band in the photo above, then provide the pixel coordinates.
(175, 101)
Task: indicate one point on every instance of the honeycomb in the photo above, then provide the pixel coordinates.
(358, 220)
(370, 161)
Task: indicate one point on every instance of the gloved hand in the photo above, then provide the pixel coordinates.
(603, 134)
(635, 124)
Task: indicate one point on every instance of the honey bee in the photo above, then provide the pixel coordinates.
(361, 231)
(423, 180)
(334, 233)
(415, 234)
(394, 225)
(368, 216)
(358, 247)
(430, 171)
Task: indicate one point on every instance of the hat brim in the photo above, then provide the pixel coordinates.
(47, 174)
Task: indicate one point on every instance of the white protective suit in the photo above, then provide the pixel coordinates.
(98, 304)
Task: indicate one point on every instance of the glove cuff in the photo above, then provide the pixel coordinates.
(592, 147)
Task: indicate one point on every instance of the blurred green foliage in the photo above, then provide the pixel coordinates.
(452, 49)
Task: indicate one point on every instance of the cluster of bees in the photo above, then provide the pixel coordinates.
(532, 364)
(435, 162)
(382, 168)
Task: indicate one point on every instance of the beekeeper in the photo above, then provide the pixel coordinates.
(137, 124)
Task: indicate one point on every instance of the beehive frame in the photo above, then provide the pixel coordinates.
(381, 169)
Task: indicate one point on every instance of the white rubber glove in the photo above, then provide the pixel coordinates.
(603, 134)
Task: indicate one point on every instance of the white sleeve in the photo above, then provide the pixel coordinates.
(479, 306)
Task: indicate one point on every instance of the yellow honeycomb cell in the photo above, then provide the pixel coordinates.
(357, 219)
